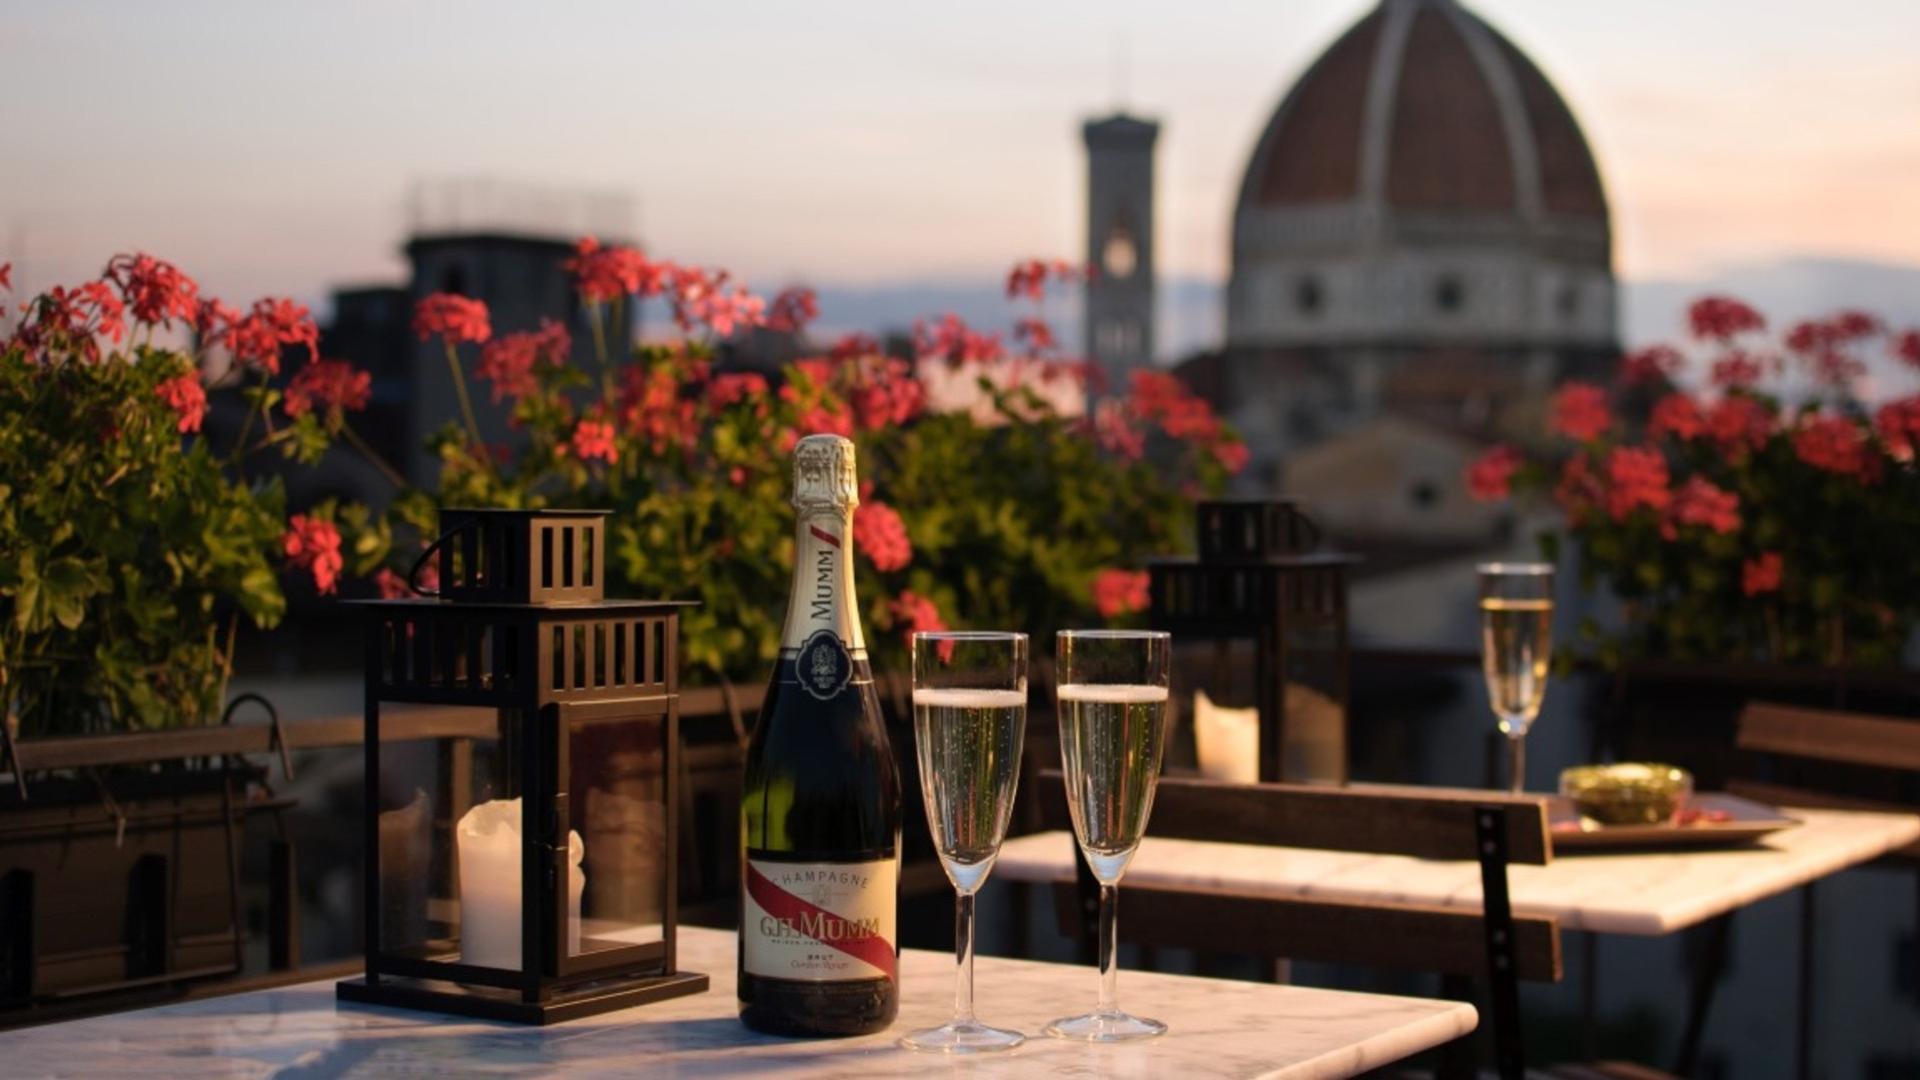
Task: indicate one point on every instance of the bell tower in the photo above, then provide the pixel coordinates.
(1119, 305)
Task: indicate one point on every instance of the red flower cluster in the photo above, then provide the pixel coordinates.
(651, 406)
(1490, 477)
(1028, 278)
(453, 317)
(1119, 592)
(1636, 477)
(1653, 364)
(328, 384)
(1722, 317)
(884, 392)
(1834, 444)
(792, 310)
(1114, 430)
(1700, 502)
(314, 544)
(1736, 370)
(734, 387)
(1579, 411)
(1739, 424)
(916, 614)
(186, 397)
(1907, 347)
(593, 440)
(156, 291)
(880, 535)
(1898, 425)
(952, 340)
(700, 297)
(1035, 334)
(602, 274)
(1677, 415)
(507, 362)
(1761, 574)
(256, 338)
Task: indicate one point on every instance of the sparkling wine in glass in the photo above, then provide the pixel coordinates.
(969, 723)
(1516, 648)
(1112, 699)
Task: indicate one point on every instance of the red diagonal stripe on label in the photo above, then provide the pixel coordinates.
(823, 535)
(781, 904)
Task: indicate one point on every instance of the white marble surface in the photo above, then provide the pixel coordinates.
(1646, 893)
(1219, 1028)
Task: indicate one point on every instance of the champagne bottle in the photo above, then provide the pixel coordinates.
(820, 806)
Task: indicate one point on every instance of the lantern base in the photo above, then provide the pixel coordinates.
(433, 995)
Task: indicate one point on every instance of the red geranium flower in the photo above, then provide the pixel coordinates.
(1119, 592)
(257, 338)
(1651, 364)
(1035, 334)
(314, 544)
(593, 439)
(507, 362)
(1898, 425)
(1761, 574)
(1722, 317)
(952, 340)
(329, 384)
(155, 290)
(1114, 430)
(186, 397)
(452, 316)
(880, 534)
(1834, 444)
(916, 614)
(1677, 415)
(1636, 477)
(1738, 423)
(1700, 502)
(1579, 411)
(792, 310)
(727, 389)
(1490, 477)
(602, 274)
(1231, 454)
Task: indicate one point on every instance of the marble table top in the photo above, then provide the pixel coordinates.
(1647, 893)
(1218, 1028)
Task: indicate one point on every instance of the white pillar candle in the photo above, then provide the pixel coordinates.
(490, 853)
(1227, 741)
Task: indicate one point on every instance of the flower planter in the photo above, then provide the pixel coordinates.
(136, 893)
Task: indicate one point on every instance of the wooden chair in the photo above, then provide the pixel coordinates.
(1493, 830)
(1804, 754)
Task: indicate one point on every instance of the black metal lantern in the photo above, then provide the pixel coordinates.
(522, 748)
(1271, 613)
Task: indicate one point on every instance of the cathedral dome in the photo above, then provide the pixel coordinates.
(1423, 179)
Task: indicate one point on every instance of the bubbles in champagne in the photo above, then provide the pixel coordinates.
(1111, 739)
(969, 745)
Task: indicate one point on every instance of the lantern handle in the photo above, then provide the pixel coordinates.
(413, 575)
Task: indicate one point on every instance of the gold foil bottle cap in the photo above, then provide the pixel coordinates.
(823, 475)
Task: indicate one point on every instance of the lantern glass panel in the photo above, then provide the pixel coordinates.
(1222, 737)
(1313, 659)
(450, 828)
(616, 788)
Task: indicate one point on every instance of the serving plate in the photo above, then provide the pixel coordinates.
(1721, 819)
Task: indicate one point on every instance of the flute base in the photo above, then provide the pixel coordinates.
(963, 1037)
(1106, 1027)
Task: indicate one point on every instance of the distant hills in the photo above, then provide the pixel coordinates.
(1193, 318)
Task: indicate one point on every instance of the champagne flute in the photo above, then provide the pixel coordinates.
(1516, 644)
(969, 723)
(1112, 698)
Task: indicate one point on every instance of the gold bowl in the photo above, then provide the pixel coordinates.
(1628, 793)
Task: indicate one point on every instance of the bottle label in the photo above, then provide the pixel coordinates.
(820, 921)
(823, 667)
(822, 594)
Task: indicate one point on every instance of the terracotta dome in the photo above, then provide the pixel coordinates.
(1444, 112)
(1422, 181)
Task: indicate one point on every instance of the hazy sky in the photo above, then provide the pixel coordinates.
(268, 146)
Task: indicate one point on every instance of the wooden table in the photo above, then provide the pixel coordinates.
(1646, 893)
(1218, 1028)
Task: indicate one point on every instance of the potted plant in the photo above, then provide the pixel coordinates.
(133, 550)
(1750, 501)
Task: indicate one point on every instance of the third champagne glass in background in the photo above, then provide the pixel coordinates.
(1516, 650)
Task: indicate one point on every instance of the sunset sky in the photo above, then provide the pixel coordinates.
(269, 147)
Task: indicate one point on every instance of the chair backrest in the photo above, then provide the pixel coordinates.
(1491, 830)
(1880, 751)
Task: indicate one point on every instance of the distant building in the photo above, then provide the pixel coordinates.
(1421, 230)
(1120, 192)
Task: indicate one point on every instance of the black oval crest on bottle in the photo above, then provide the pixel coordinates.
(823, 667)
